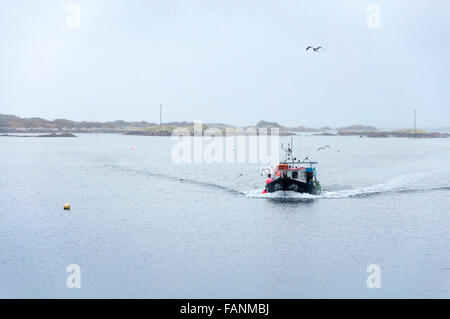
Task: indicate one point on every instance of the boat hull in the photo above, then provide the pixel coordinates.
(287, 184)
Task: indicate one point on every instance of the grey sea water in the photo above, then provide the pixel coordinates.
(143, 227)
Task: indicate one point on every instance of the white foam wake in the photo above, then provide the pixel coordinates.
(406, 183)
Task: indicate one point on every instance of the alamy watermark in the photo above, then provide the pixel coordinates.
(74, 279)
(74, 16)
(374, 279)
(373, 16)
(230, 145)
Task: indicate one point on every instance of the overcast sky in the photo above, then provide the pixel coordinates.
(231, 61)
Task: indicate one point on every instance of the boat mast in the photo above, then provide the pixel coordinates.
(292, 147)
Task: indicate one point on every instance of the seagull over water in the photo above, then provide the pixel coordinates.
(315, 49)
(323, 147)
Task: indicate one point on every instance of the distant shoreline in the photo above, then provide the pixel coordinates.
(45, 135)
(380, 134)
(10, 125)
(387, 134)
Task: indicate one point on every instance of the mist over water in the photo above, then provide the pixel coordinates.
(142, 226)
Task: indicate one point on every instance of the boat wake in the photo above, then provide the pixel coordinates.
(400, 184)
(180, 179)
(392, 186)
(357, 192)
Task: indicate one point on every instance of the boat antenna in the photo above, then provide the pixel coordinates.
(287, 150)
(292, 147)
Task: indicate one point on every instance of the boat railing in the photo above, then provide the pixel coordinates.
(299, 162)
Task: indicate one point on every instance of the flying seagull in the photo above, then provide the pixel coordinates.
(323, 147)
(315, 49)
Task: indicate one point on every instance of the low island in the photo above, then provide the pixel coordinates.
(11, 125)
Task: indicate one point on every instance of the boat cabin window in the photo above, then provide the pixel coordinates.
(309, 177)
(294, 174)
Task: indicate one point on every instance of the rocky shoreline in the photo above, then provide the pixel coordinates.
(45, 135)
(12, 125)
(387, 134)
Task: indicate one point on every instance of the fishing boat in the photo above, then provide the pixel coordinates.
(292, 175)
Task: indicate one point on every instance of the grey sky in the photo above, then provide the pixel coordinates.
(227, 61)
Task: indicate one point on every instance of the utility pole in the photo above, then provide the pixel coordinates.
(415, 131)
(160, 119)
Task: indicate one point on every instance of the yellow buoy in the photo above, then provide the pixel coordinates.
(66, 207)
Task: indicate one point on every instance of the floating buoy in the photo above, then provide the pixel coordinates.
(132, 147)
(66, 207)
(264, 192)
